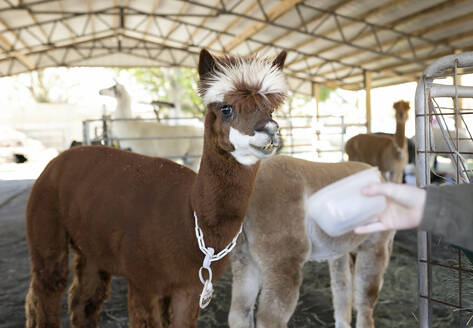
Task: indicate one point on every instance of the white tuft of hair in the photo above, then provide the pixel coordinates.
(256, 71)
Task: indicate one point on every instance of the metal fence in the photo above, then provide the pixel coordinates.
(444, 107)
(303, 135)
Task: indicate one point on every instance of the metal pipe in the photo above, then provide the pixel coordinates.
(85, 132)
(442, 90)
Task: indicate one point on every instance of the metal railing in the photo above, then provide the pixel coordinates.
(298, 133)
(445, 276)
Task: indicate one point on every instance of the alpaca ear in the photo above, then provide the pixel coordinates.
(206, 63)
(280, 59)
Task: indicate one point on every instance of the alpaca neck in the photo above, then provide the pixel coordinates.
(221, 191)
(123, 106)
(400, 136)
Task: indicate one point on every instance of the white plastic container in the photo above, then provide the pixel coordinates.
(340, 207)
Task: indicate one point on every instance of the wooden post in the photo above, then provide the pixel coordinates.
(315, 95)
(367, 80)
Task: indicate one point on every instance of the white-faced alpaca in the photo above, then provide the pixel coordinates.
(279, 236)
(388, 153)
(165, 145)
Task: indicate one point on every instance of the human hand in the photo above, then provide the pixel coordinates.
(404, 207)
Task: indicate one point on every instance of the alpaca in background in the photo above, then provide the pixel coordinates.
(170, 140)
(389, 154)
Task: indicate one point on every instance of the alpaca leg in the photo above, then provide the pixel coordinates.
(372, 259)
(143, 309)
(184, 309)
(279, 294)
(49, 270)
(342, 290)
(245, 287)
(88, 291)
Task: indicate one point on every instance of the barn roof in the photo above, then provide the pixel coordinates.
(331, 42)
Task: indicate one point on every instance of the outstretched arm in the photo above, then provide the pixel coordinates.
(443, 210)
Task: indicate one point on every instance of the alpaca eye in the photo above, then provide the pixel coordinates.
(227, 111)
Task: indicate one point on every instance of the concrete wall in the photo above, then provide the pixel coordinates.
(55, 125)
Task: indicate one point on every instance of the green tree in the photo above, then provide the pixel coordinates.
(49, 85)
(175, 85)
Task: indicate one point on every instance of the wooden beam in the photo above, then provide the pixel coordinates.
(277, 11)
(63, 44)
(38, 25)
(116, 20)
(175, 25)
(319, 16)
(414, 73)
(370, 13)
(91, 17)
(16, 54)
(149, 19)
(315, 95)
(68, 27)
(395, 24)
(5, 26)
(197, 29)
(367, 83)
(236, 21)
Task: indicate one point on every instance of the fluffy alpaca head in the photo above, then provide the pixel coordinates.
(243, 76)
(402, 110)
(242, 93)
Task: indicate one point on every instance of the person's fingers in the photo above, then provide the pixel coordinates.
(371, 227)
(397, 192)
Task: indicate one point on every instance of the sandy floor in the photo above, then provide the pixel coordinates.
(397, 306)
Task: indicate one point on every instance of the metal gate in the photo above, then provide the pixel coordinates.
(300, 138)
(444, 106)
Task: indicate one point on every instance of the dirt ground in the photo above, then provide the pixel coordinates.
(397, 306)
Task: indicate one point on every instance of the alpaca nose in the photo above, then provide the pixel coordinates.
(269, 127)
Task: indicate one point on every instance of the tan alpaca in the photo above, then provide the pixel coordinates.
(388, 153)
(279, 236)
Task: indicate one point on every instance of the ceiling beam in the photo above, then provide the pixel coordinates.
(149, 19)
(91, 17)
(175, 25)
(447, 40)
(8, 45)
(236, 21)
(199, 28)
(16, 54)
(277, 11)
(395, 25)
(366, 15)
(159, 42)
(317, 17)
(38, 25)
(62, 44)
(66, 25)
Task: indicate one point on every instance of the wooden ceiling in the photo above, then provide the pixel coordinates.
(330, 42)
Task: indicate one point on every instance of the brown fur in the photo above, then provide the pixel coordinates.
(279, 238)
(131, 215)
(388, 153)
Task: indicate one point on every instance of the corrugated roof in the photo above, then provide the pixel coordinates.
(330, 42)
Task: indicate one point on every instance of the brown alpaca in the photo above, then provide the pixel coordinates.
(388, 153)
(279, 236)
(131, 215)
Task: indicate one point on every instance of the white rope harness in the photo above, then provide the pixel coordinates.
(207, 291)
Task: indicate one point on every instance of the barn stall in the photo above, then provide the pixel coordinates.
(352, 45)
